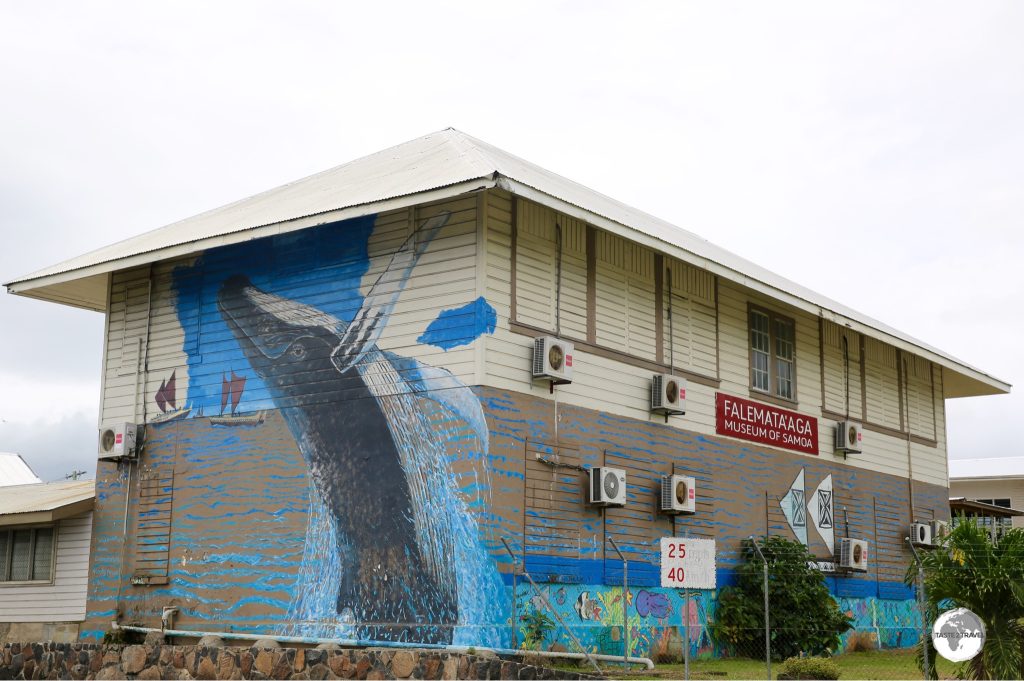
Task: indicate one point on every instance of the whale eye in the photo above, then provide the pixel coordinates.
(298, 351)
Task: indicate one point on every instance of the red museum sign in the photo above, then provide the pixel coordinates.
(749, 420)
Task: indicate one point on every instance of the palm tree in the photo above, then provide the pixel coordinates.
(970, 571)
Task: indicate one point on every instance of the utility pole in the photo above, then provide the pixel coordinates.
(74, 475)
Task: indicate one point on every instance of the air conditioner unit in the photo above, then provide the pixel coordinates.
(678, 494)
(853, 554)
(940, 529)
(117, 441)
(607, 486)
(668, 394)
(920, 534)
(848, 437)
(552, 359)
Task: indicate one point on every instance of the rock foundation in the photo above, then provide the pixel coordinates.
(78, 661)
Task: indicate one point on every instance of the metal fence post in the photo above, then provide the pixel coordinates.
(921, 605)
(625, 604)
(558, 618)
(686, 636)
(515, 570)
(767, 631)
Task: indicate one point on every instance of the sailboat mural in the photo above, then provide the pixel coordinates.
(165, 398)
(231, 392)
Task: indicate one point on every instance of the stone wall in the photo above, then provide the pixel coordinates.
(93, 661)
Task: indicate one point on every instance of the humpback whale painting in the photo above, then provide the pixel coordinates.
(391, 549)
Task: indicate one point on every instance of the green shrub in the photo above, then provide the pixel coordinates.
(536, 626)
(809, 668)
(804, 618)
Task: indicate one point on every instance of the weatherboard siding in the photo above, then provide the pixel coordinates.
(64, 599)
(709, 338)
(140, 356)
(1006, 488)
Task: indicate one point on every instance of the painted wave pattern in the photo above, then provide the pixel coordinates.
(237, 503)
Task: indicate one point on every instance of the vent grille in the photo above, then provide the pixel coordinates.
(538, 356)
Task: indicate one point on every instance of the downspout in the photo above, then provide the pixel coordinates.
(360, 643)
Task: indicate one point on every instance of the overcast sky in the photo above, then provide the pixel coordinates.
(872, 151)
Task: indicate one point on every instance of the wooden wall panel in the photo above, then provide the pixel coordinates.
(718, 324)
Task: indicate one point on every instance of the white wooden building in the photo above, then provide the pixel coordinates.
(45, 531)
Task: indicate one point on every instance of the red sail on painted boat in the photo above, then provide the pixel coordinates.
(231, 389)
(225, 392)
(165, 393)
(160, 400)
(169, 394)
(237, 386)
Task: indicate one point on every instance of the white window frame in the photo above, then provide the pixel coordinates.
(771, 372)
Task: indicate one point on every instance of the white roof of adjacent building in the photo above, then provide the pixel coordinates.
(14, 470)
(45, 501)
(1003, 467)
(436, 166)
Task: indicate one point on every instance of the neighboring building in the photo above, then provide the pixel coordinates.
(996, 517)
(45, 531)
(342, 428)
(998, 481)
(14, 471)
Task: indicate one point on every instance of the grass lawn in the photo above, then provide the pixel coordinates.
(881, 664)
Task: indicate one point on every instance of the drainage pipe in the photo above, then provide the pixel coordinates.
(360, 643)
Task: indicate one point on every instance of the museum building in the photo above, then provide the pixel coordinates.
(362, 404)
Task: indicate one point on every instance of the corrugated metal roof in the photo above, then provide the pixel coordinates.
(14, 471)
(44, 501)
(441, 164)
(1005, 467)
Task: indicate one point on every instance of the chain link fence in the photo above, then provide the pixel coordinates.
(741, 630)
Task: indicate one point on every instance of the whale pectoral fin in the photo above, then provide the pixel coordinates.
(359, 338)
(368, 323)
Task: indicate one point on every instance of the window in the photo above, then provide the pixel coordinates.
(26, 554)
(772, 354)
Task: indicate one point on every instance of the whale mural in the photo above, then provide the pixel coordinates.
(392, 550)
